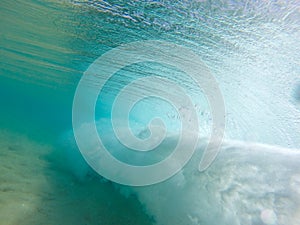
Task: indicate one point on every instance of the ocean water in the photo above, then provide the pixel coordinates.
(252, 49)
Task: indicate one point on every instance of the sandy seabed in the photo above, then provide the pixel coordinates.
(34, 189)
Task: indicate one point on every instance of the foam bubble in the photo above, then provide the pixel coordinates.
(268, 216)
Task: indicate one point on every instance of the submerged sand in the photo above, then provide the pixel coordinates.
(36, 189)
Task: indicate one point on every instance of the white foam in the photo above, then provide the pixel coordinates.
(248, 183)
(238, 188)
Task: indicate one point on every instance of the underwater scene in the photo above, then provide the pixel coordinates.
(153, 112)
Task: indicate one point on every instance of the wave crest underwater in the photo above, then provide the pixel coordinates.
(251, 47)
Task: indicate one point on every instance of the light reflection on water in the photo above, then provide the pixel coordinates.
(251, 47)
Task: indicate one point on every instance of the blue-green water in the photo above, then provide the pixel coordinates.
(253, 50)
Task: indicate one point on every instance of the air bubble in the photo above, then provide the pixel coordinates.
(268, 216)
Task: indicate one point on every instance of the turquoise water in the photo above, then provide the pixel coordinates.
(252, 49)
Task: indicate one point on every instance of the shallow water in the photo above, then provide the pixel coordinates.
(251, 47)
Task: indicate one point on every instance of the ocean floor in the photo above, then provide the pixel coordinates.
(36, 189)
